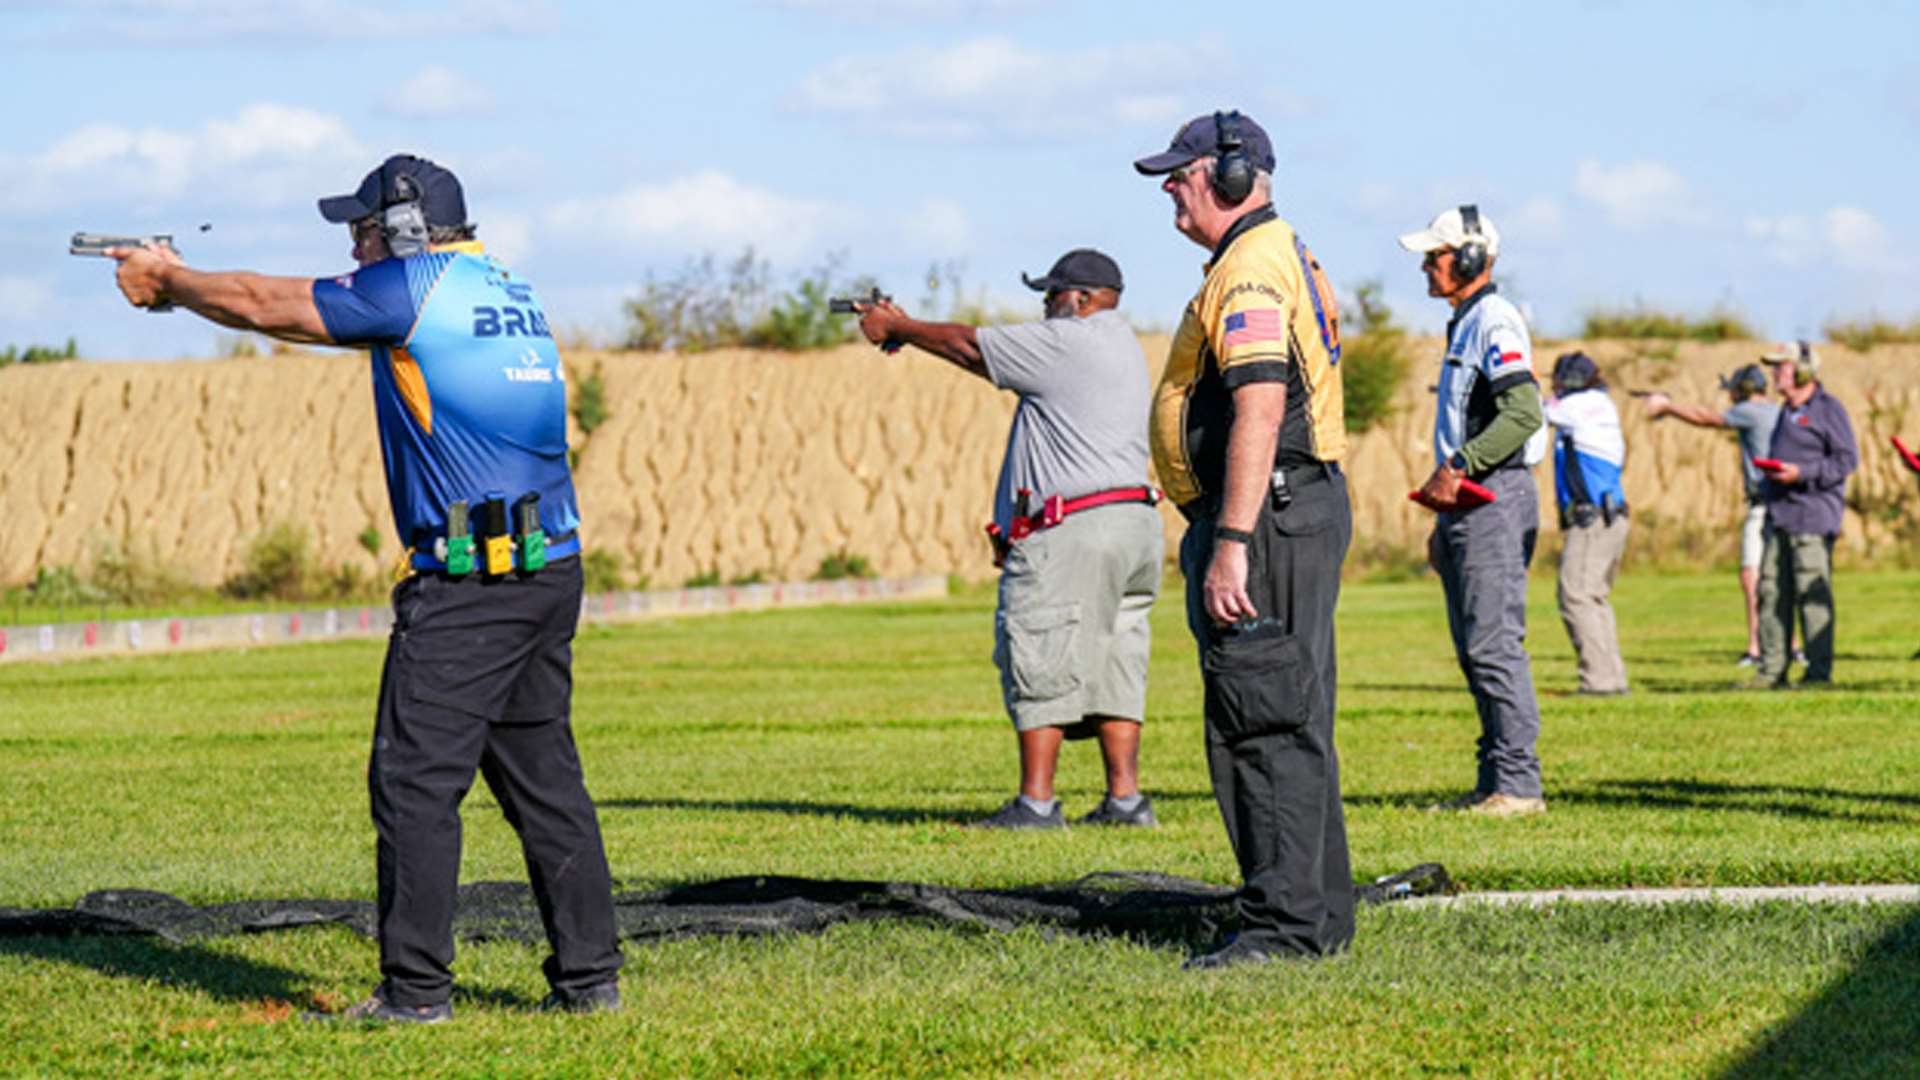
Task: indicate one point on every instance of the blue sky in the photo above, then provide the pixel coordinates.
(1759, 155)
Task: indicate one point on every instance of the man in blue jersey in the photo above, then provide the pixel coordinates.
(471, 404)
(1588, 455)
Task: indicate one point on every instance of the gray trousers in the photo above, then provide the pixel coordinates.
(1269, 720)
(1587, 566)
(1482, 556)
(1796, 572)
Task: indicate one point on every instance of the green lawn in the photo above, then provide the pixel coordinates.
(852, 742)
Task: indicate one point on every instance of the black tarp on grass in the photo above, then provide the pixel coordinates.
(1133, 904)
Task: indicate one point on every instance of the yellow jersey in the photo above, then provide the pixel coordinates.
(1265, 313)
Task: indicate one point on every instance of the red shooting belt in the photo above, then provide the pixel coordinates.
(1056, 510)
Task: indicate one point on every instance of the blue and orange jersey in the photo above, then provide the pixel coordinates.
(467, 386)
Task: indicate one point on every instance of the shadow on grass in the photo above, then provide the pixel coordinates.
(1786, 800)
(893, 815)
(1867, 1024)
(146, 959)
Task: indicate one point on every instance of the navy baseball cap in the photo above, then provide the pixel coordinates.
(1200, 137)
(1576, 371)
(398, 179)
(1081, 268)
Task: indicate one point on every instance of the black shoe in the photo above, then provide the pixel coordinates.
(1018, 815)
(1237, 951)
(1815, 684)
(376, 1010)
(1107, 813)
(604, 997)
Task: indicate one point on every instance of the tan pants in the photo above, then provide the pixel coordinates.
(1587, 567)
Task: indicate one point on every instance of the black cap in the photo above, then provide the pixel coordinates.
(1576, 371)
(1081, 268)
(402, 178)
(1200, 137)
(1747, 381)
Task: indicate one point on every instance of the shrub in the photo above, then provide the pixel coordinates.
(799, 318)
(39, 354)
(1640, 321)
(705, 579)
(601, 569)
(370, 539)
(756, 577)
(590, 402)
(61, 585)
(958, 305)
(136, 576)
(705, 307)
(699, 308)
(1863, 334)
(278, 563)
(1373, 359)
(843, 564)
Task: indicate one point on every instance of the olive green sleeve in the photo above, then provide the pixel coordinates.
(1518, 416)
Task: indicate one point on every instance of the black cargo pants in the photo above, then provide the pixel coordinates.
(479, 676)
(1269, 719)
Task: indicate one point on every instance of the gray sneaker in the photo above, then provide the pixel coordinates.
(1018, 815)
(377, 1010)
(1107, 813)
(604, 997)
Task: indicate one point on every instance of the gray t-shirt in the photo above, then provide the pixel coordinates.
(1754, 420)
(1084, 398)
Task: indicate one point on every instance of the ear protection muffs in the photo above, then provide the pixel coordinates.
(1470, 258)
(1233, 170)
(1807, 367)
(403, 221)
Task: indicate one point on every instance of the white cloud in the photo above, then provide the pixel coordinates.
(1846, 236)
(989, 85)
(866, 9)
(264, 155)
(1638, 194)
(439, 91)
(704, 212)
(1538, 220)
(1859, 240)
(508, 235)
(289, 22)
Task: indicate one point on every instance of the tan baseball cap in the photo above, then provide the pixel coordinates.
(1790, 352)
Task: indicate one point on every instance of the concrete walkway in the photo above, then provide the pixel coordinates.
(1738, 897)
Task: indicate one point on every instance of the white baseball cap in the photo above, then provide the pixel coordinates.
(1449, 230)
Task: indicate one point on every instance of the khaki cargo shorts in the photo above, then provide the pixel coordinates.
(1071, 637)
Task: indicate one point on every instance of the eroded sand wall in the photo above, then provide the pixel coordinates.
(761, 461)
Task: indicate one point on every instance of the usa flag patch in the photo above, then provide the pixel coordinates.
(1252, 327)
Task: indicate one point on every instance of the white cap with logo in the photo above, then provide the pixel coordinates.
(1449, 230)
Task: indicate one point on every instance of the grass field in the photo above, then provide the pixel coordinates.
(853, 742)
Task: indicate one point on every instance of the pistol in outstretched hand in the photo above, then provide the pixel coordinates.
(847, 305)
(96, 245)
(850, 305)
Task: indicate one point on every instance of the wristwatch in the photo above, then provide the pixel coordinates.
(1457, 462)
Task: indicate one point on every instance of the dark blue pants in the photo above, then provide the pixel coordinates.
(479, 677)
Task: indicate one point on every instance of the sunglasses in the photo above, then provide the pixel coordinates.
(1179, 175)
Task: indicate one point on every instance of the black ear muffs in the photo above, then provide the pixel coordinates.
(404, 222)
(1470, 258)
(1233, 171)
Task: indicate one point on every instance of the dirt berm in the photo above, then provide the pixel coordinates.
(769, 462)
